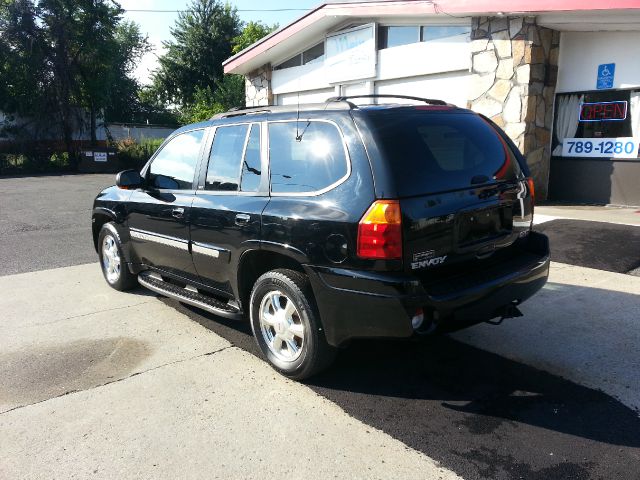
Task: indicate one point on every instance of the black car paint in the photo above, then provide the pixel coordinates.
(356, 297)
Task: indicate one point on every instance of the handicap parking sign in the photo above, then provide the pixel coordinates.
(606, 73)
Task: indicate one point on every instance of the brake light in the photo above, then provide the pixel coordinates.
(532, 193)
(532, 189)
(380, 231)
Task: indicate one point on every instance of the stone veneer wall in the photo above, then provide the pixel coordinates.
(257, 87)
(515, 64)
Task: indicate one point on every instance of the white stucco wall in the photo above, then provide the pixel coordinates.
(419, 59)
(452, 87)
(432, 69)
(310, 96)
(582, 52)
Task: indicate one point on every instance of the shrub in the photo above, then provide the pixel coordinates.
(134, 154)
(34, 162)
(59, 161)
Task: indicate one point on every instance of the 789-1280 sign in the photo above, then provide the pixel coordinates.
(621, 147)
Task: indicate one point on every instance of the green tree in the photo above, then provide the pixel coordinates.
(24, 79)
(251, 33)
(80, 35)
(193, 60)
(62, 58)
(124, 103)
(228, 94)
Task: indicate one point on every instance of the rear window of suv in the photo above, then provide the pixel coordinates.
(305, 156)
(431, 152)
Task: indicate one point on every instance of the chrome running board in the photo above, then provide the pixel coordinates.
(188, 295)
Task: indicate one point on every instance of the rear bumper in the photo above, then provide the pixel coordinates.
(370, 304)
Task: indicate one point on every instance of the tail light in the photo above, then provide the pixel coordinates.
(380, 231)
(532, 192)
(532, 189)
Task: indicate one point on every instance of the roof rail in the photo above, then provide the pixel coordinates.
(345, 98)
(237, 111)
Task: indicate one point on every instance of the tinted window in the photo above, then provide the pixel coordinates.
(396, 36)
(251, 163)
(314, 54)
(223, 171)
(572, 120)
(315, 162)
(431, 152)
(292, 62)
(311, 55)
(445, 33)
(174, 166)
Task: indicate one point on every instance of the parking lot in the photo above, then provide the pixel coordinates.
(98, 383)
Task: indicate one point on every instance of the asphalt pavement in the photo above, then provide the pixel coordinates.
(104, 384)
(45, 221)
(599, 245)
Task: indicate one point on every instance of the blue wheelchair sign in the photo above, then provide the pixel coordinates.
(606, 72)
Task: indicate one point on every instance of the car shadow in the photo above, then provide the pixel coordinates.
(477, 413)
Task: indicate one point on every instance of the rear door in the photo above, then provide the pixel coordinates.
(227, 208)
(159, 212)
(462, 192)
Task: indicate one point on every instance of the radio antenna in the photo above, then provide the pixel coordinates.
(298, 136)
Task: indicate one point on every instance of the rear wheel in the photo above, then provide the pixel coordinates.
(286, 324)
(114, 268)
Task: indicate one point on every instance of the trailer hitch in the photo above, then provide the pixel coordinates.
(509, 311)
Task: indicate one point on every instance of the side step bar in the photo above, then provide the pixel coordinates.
(189, 296)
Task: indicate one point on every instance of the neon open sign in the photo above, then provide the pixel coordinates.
(603, 111)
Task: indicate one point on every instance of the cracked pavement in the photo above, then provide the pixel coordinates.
(122, 385)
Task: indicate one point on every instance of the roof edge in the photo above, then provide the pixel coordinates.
(417, 7)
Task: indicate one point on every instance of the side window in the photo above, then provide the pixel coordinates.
(313, 163)
(223, 171)
(174, 166)
(250, 180)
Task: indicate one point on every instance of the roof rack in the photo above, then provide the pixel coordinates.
(237, 111)
(346, 98)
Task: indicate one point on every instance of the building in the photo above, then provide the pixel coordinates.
(562, 77)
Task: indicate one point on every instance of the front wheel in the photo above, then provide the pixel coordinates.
(114, 268)
(286, 324)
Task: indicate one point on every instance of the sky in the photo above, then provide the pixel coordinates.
(156, 25)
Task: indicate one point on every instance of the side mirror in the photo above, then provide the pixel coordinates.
(129, 180)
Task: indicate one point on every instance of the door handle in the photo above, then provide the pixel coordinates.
(177, 212)
(242, 219)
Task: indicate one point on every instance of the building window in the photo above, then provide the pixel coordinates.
(311, 55)
(602, 124)
(395, 36)
(389, 37)
(445, 33)
(314, 54)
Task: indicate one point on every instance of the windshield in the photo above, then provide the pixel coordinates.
(432, 152)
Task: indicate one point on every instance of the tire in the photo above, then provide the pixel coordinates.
(284, 316)
(112, 263)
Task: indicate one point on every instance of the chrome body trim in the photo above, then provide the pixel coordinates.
(161, 239)
(205, 249)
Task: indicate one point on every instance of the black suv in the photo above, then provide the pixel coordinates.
(322, 223)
